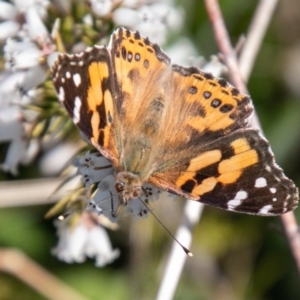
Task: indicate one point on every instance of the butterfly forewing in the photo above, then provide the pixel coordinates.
(139, 67)
(85, 87)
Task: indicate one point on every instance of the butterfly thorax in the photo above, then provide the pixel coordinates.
(128, 186)
(135, 169)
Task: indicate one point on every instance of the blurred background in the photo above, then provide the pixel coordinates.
(235, 256)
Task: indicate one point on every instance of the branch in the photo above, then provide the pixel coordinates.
(223, 41)
(28, 192)
(17, 264)
(222, 38)
(192, 213)
(177, 257)
(255, 35)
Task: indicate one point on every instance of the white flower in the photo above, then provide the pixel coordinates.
(165, 14)
(131, 3)
(98, 245)
(88, 20)
(106, 200)
(25, 56)
(7, 11)
(15, 90)
(36, 29)
(153, 21)
(11, 130)
(14, 13)
(10, 83)
(182, 52)
(127, 17)
(18, 83)
(93, 167)
(21, 55)
(140, 207)
(92, 206)
(84, 239)
(8, 29)
(34, 77)
(41, 6)
(101, 8)
(55, 159)
(214, 66)
(15, 152)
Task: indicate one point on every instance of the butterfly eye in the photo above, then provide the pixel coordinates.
(119, 186)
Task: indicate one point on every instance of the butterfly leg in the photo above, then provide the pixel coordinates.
(114, 212)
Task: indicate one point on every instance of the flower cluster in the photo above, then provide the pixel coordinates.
(94, 168)
(27, 102)
(87, 239)
(26, 40)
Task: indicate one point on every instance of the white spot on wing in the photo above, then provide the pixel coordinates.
(68, 74)
(273, 190)
(61, 94)
(265, 210)
(239, 197)
(260, 182)
(274, 199)
(77, 79)
(76, 111)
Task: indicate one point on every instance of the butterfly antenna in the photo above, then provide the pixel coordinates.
(109, 197)
(66, 215)
(186, 250)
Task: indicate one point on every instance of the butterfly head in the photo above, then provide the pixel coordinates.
(128, 186)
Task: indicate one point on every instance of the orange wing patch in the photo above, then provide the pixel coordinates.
(139, 67)
(198, 163)
(232, 168)
(216, 104)
(98, 97)
(228, 170)
(84, 83)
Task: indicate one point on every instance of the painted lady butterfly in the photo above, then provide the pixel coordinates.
(180, 129)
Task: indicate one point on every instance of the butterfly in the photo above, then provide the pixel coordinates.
(179, 129)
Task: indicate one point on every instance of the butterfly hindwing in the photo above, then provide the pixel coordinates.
(238, 173)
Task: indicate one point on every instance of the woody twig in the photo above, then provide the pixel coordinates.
(262, 16)
(19, 265)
